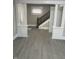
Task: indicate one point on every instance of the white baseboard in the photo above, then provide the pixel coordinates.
(20, 35)
(58, 39)
(15, 36)
(46, 28)
(31, 25)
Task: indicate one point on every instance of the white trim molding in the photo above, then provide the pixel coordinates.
(40, 2)
(31, 25)
(46, 28)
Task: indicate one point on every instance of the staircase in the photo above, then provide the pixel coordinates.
(42, 19)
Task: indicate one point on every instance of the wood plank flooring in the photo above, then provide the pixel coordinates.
(39, 46)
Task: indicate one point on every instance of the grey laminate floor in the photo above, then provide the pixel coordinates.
(39, 46)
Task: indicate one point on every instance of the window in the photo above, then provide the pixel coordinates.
(36, 10)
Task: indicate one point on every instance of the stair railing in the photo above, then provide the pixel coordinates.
(43, 18)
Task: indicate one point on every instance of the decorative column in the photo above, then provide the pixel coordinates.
(22, 30)
(52, 8)
(57, 31)
(63, 21)
(55, 19)
(55, 16)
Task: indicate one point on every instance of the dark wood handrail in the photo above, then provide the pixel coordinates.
(44, 15)
(43, 18)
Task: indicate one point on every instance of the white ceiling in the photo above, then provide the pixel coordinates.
(41, 1)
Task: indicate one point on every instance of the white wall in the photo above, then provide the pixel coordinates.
(32, 19)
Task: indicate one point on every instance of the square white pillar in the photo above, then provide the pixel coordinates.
(55, 15)
(55, 19)
(52, 9)
(57, 32)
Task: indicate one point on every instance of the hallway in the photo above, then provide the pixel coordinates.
(39, 45)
